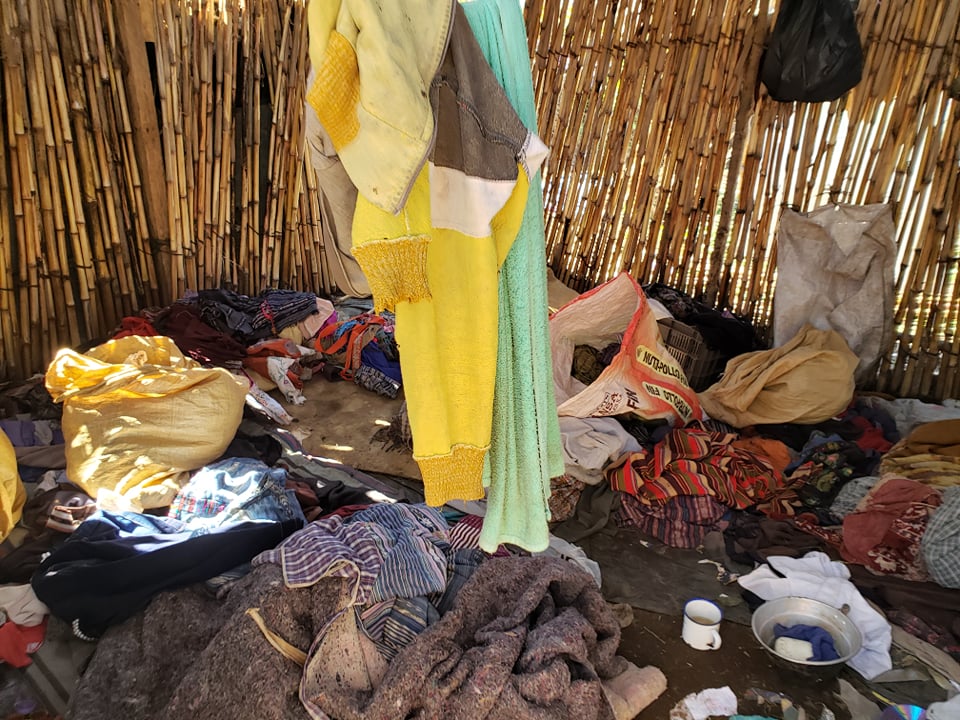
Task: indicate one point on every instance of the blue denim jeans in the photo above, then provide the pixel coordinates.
(235, 490)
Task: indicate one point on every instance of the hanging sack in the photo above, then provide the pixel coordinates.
(814, 53)
(643, 377)
(835, 271)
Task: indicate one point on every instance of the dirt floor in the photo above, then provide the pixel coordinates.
(740, 663)
(338, 421)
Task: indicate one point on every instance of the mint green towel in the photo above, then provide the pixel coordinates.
(525, 450)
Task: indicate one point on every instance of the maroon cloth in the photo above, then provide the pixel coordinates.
(306, 495)
(182, 323)
(135, 325)
(885, 535)
(872, 437)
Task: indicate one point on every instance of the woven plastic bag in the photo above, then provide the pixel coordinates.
(643, 377)
(835, 270)
(138, 416)
(12, 494)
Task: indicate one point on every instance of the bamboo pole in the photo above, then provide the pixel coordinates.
(667, 160)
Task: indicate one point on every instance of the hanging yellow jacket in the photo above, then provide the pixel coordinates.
(383, 128)
(435, 261)
(448, 341)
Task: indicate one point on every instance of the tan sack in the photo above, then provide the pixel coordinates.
(12, 493)
(807, 380)
(138, 416)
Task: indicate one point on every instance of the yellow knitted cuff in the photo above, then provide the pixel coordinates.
(335, 93)
(396, 269)
(455, 476)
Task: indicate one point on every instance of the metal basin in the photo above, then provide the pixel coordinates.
(804, 611)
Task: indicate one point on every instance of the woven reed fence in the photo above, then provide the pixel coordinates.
(147, 148)
(152, 146)
(669, 162)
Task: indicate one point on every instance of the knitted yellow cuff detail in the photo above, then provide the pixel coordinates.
(396, 269)
(455, 476)
(335, 93)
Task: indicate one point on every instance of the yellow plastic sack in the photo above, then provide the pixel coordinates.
(138, 416)
(12, 494)
(806, 381)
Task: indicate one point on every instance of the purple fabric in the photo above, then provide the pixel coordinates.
(681, 522)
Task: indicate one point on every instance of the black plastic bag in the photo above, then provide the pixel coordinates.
(814, 53)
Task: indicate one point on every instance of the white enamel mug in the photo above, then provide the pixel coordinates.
(701, 624)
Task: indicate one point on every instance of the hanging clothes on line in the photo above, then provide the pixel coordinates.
(525, 451)
(430, 238)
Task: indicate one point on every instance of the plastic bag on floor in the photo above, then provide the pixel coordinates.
(138, 416)
(643, 377)
(12, 494)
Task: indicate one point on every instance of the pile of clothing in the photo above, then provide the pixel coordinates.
(273, 554)
(788, 461)
(279, 339)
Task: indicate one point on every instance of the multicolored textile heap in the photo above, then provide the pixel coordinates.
(693, 461)
(828, 463)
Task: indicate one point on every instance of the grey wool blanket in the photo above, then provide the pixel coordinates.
(527, 638)
(189, 656)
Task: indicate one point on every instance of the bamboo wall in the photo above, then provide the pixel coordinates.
(151, 146)
(669, 161)
(148, 147)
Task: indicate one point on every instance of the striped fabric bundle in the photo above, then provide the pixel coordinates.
(694, 461)
(393, 624)
(330, 548)
(388, 551)
(680, 522)
(415, 561)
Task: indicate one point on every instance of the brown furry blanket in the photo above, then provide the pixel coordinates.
(526, 638)
(189, 656)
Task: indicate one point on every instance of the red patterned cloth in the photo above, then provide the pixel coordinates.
(885, 535)
(693, 461)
